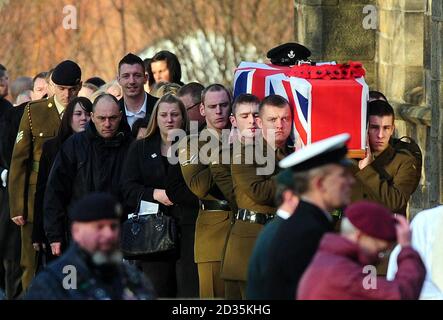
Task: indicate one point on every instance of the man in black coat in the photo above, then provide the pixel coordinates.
(88, 161)
(92, 268)
(323, 181)
(10, 271)
(136, 103)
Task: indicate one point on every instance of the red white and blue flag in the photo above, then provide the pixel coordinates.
(322, 108)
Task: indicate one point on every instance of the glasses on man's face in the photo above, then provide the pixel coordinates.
(193, 106)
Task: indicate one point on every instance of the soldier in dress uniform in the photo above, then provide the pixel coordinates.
(254, 191)
(40, 122)
(213, 221)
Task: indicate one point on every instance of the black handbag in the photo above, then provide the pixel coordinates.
(144, 235)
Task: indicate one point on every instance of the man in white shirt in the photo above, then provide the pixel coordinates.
(136, 103)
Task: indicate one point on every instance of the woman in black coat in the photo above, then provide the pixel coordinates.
(149, 176)
(75, 118)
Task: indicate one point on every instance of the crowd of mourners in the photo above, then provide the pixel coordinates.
(271, 222)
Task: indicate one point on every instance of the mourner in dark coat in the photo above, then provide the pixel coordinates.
(75, 118)
(145, 175)
(287, 202)
(92, 268)
(88, 161)
(324, 184)
(10, 270)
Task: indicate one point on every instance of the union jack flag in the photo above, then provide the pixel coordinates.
(322, 108)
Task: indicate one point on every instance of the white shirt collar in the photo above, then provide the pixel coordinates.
(283, 214)
(131, 116)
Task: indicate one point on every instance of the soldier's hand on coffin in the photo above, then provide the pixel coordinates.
(56, 248)
(363, 163)
(160, 196)
(19, 220)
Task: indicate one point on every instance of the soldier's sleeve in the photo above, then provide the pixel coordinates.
(261, 188)
(221, 174)
(394, 194)
(197, 176)
(19, 171)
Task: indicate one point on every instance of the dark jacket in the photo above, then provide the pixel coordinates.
(9, 124)
(150, 103)
(259, 258)
(336, 273)
(49, 152)
(145, 170)
(292, 249)
(9, 232)
(121, 282)
(86, 162)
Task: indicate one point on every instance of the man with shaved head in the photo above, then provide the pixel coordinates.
(88, 161)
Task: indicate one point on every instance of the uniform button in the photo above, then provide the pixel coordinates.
(50, 105)
(41, 134)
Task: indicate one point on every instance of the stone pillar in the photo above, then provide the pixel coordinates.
(333, 30)
(436, 102)
(400, 48)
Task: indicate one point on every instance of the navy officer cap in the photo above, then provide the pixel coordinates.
(320, 153)
(288, 54)
(67, 73)
(95, 206)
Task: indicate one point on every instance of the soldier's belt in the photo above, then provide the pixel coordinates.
(215, 205)
(253, 217)
(35, 166)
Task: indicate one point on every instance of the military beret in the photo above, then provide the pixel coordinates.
(320, 153)
(67, 73)
(96, 81)
(95, 206)
(372, 219)
(288, 54)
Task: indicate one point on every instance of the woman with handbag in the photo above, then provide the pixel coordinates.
(145, 179)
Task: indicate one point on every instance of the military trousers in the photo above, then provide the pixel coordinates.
(28, 256)
(210, 283)
(235, 290)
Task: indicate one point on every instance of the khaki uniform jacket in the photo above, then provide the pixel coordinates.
(40, 122)
(393, 193)
(254, 192)
(212, 227)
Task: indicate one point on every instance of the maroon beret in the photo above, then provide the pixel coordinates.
(373, 219)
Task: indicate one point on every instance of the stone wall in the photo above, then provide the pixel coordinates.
(333, 30)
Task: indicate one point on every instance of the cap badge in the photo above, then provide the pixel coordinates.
(291, 54)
